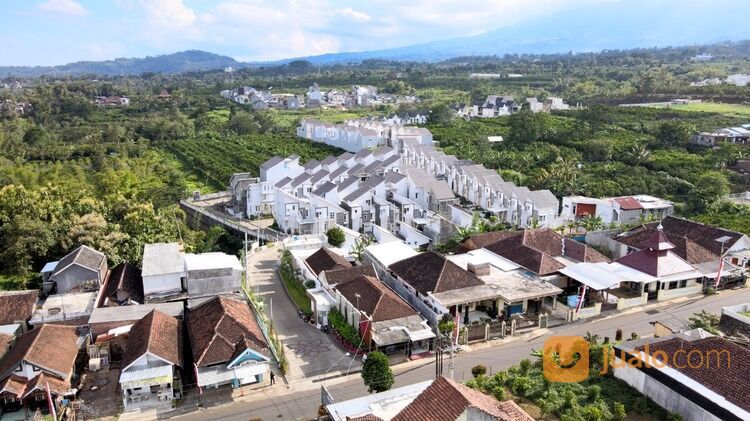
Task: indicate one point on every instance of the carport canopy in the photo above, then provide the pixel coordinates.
(597, 276)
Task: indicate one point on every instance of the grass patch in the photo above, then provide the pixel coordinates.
(293, 285)
(745, 313)
(737, 110)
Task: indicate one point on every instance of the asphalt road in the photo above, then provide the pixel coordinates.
(287, 405)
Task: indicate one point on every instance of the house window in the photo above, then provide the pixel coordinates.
(332, 215)
(9, 399)
(18, 369)
(40, 397)
(673, 285)
(683, 283)
(35, 368)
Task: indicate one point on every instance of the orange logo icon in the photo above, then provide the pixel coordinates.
(566, 359)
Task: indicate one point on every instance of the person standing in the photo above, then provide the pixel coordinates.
(273, 378)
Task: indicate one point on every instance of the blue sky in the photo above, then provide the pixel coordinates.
(47, 32)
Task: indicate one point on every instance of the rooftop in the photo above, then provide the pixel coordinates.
(65, 306)
(17, 305)
(208, 261)
(162, 259)
(134, 312)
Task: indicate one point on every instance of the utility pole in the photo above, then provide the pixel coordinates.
(450, 366)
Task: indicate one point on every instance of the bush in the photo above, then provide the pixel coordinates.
(376, 372)
(335, 236)
(309, 284)
(499, 393)
(348, 332)
(478, 370)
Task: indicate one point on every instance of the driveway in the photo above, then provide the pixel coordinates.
(310, 352)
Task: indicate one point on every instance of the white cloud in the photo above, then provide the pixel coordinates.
(62, 7)
(168, 14)
(354, 14)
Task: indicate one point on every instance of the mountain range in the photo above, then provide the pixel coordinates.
(579, 30)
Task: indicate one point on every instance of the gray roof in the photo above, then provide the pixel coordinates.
(135, 312)
(348, 182)
(356, 169)
(373, 181)
(311, 164)
(283, 182)
(82, 256)
(324, 188)
(373, 167)
(345, 156)
(363, 153)
(337, 172)
(543, 199)
(161, 259)
(438, 188)
(394, 177)
(300, 179)
(319, 176)
(271, 162)
(357, 193)
(330, 159)
(391, 160)
(382, 150)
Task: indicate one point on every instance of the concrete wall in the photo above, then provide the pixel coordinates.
(661, 394)
(201, 283)
(603, 240)
(72, 277)
(733, 321)
(159, 284)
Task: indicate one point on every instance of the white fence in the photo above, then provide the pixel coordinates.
(668, 294)
(624, 303)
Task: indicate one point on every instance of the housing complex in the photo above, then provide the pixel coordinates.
(503, 105)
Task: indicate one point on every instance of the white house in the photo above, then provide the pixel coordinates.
(163, 270)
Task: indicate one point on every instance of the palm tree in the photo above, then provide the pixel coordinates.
(592, 222)
(639, 154)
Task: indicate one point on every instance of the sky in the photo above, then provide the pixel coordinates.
(51, 32)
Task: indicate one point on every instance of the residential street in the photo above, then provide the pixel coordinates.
(310, 352)
(301, 398)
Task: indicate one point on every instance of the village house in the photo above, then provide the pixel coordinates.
(694, 374)
(82, 269)
(624, 210)
(16, 309)
(385, 321)
(152, 362)
(163, 271)
(71, 309)
(104, 319)
(441, 399)
(734, 135)
(123, 286)
(40, 361)
(228, 345)
(112, 101)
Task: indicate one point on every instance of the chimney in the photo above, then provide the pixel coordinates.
(480, 269)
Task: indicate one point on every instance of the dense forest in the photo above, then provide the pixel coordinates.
(72, 172)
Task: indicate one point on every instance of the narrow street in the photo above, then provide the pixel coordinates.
(310, 352)
(302, 399)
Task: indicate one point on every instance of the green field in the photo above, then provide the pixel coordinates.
(737, 110)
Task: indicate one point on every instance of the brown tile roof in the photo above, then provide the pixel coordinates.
(628, 203)
(446, 400)
(127, 278)
(534, 249)
(218, 326)
(338, 276)
(368, 417)
(158, 334)
(17, 305)
(694, 242)
(431, 272)
(21, 386)
(375, 299)
(729, 382)
(325, 259)
(53, 348)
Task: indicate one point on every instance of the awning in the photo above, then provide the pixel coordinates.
(597, 276)
(217, 375)
(418, 335)
(146, 376)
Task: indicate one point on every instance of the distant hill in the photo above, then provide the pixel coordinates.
(185, 61)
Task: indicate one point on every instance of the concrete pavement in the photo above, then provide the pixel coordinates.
(310, 352)
(301, 399)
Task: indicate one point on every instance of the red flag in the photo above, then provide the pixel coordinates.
(580, 299)
(51, 403)
(718, 275)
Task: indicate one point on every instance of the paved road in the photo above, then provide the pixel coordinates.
(282, 403)
(309, 351)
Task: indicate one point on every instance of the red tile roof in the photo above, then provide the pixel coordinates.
(535, 249)
(446, 400)
(218, 326)
(431, 272)
(17, 306)
(53, 348)
(325, 259)
(628, 203)
(338, 276)
(158, 334)
(694, 242)
(375, 299)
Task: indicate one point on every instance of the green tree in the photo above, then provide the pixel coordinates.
(335, 237)
(358, 250)
(441, 114)
(376, 372)
(709, 187)
(673, 133)
(706, 321)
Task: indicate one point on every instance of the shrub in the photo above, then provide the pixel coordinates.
(619, 410)
(309, 284)
(521, 385)
(499, 393)
(335, 236)
(348, 332)
(478, 370)
(376, 372)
